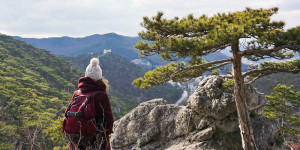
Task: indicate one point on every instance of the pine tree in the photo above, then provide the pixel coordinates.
(283, 106)
(250, 34)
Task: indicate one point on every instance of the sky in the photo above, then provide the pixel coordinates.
(79, 18)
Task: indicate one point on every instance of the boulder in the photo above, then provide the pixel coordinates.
(209, 121)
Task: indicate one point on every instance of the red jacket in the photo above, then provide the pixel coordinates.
(85, 85)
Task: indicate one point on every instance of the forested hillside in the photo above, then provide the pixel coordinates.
(35, 87)
(121, 72)
(266, 84)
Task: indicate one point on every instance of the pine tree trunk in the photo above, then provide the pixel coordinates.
(248, 141)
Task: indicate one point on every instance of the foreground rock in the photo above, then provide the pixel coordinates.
(209, 121)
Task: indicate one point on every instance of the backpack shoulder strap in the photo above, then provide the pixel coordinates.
(97, 93)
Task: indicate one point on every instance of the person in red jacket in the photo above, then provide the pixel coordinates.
(93, 81)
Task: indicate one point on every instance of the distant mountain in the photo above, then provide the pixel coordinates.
(120, 74)
(120, 45)
(69, 46)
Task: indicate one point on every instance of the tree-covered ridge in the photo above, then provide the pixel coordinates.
(54, 70)
(35, 86)
(266, 84)
(286, 73)
(121, 72)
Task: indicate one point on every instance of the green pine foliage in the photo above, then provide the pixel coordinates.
(228, 84)
(283, 106)
(194, 38)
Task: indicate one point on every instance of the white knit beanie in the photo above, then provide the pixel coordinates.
(93, 70)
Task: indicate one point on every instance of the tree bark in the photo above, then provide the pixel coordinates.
(248, 141)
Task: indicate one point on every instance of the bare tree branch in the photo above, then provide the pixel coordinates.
(258, 107)
(269, 51)
(250, 82)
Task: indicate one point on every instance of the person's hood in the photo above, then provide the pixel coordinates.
(86, 84)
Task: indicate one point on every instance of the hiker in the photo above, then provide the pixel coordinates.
(94, 83)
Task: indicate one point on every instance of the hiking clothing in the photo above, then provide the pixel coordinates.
(102, 111)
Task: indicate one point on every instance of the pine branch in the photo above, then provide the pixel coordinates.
(200, 66)
(218, 66)
(212, 49)
(278, 108)
(267, 71)
(205, 50)
(265, 104)
(269, 51)
(224, 61)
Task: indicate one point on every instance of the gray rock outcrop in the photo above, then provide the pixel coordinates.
(209, 121)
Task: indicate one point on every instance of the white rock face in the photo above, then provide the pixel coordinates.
(209, 121)
(141, 62)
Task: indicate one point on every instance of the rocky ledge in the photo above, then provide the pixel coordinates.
(209, 121)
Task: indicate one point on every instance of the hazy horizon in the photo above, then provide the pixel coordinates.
(71, 36)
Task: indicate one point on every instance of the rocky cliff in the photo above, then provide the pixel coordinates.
(209, 121)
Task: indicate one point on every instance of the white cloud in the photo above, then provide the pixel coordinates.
(40, 18)
(136, 3)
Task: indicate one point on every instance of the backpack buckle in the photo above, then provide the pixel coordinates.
(77, 114)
